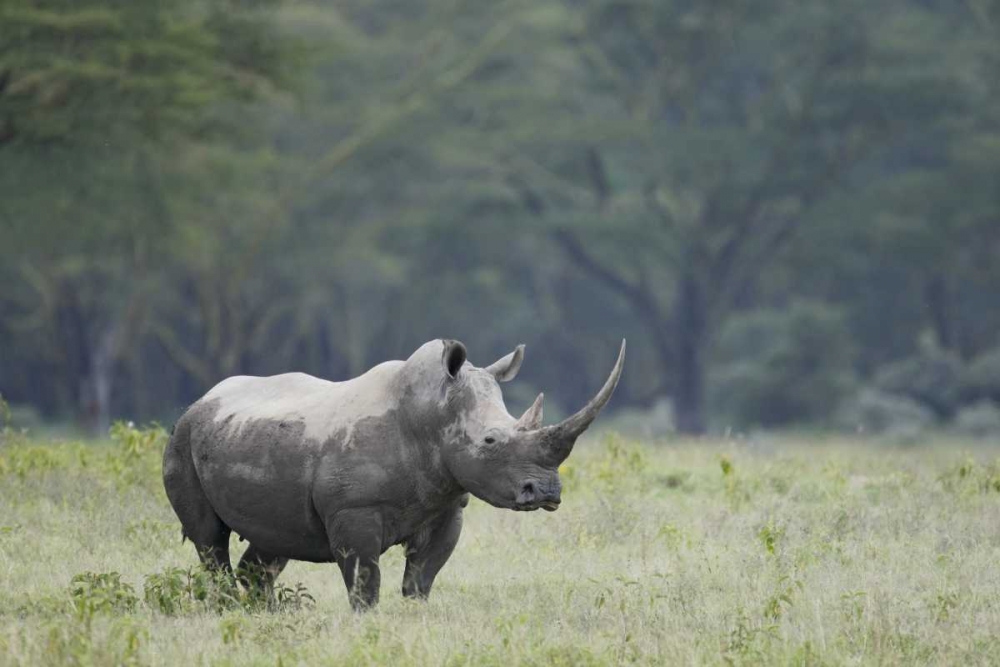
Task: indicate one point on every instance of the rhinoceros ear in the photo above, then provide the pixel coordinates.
(506, 368)
(454, 356)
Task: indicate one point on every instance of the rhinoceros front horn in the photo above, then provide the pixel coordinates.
(560, 438)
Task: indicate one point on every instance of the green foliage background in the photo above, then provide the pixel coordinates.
(779, 203)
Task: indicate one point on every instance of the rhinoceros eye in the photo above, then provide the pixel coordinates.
(490, 440)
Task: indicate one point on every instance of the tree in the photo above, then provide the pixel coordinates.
(918, 227)
(714, 132)
(543, 171)
(95, 97)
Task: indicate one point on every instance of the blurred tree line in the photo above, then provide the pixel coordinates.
(787, 207)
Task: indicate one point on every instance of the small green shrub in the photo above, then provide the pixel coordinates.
(137, 455)
(101, 593)
(737, 489)
(968, 476)
(134, 442)
(287, 598)
(782, 598)
(23, 460)
(176, 591)
(771, 536)
(169, 591)
(726, 465)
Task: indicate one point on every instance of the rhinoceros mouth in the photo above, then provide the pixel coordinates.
(548, 506)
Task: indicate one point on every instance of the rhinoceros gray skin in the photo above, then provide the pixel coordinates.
(307, 469)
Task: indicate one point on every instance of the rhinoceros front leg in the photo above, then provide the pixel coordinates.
(356, 541)
(427, 553)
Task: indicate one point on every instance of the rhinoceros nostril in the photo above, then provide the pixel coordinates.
(528, 492)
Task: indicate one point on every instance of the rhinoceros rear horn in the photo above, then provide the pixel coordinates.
(561, 437)
(532, 417)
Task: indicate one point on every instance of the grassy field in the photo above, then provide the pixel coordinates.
(793, 551)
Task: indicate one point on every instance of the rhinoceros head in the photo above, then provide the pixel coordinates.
(508, 462)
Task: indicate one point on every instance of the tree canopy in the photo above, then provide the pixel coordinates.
(778, 203)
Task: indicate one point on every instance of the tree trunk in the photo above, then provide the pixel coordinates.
(938, 302)
(690, 333)
(100, 379)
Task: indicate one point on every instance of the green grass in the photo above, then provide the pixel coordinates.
(803, 552)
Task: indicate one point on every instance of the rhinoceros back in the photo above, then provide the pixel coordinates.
(322, 407)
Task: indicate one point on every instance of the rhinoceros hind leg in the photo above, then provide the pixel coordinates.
(199, 522)
(428, 551)
(258, 570)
